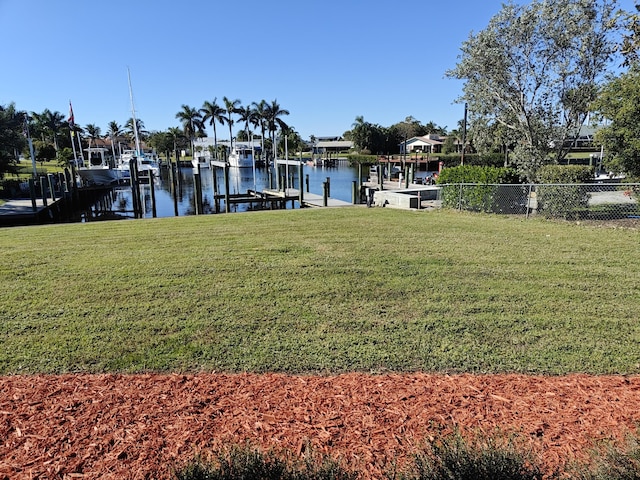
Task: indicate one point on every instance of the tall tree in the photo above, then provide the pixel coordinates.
(535, 70)
(231, 108)
(48, 124)
(114, 132)
(192, 124)
(630, 46)
(212, 112)
(93, 132)
(260, 109)
(362, 134)
(12, 139)
(619, 103)
(142, 132)
(248, 116)
(273, 114)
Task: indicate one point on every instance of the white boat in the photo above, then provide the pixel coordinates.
(241, 155)
(97, 170)
(145, 162)
(201, 161)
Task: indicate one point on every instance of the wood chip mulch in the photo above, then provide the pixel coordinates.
(142, 426)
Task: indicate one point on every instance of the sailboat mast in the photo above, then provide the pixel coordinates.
(133, 115)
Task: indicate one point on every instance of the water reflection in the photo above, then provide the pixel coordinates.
(241, 180)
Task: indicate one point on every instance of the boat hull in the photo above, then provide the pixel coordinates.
(240, 162)
(98, 175)
(202, 162)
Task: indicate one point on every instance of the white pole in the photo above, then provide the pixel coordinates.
(133, 115)
(31, 152)
(253, 157)
(286, 159)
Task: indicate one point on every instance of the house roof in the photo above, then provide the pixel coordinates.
(424, 140)
(335, 144)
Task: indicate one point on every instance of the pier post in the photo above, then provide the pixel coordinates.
(174, 187)
(135, 190)
(197, 193)
(306, 182)
(328, 186)
(301, 190)
(52, 185)
(32, 192)
(154, 212)
(216, 200)
(227, 206)
(43, 191)
(197, 184)
(325, 194)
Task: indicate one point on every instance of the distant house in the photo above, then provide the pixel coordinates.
(431, 143)
(326, 145)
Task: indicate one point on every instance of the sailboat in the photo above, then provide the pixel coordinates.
(146, 163)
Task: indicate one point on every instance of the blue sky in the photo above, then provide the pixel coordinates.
(325, 61)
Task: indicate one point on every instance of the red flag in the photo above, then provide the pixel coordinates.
(71, 120)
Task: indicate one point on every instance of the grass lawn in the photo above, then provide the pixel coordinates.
(320, 290)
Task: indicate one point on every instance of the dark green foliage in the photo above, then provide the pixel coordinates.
(362, 159)
(247, 463)
(481, 195)
(453, 458)
(476, 159)
(557, 196)
(12, 139)
(565, 174)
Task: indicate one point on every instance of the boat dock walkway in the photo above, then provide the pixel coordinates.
(308, 199)
(25, 211)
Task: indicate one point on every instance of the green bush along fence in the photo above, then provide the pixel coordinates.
(570, 201)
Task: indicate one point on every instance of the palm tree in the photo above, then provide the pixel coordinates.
(249, 116)
(114, 131)
(260, 110)
(213, 112)
(361, 133)
(49, 124)
(274, 112)
(191, 123)
(93, 132)
(231, 107)
(142, 133)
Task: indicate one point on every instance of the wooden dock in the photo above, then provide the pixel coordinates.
(27, 212)
(308, 199)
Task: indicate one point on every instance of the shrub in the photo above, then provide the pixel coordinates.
(247, 463)
(562, 194)
(363, 159)
(477, 197)
(473, 159)
(452, 458)
(615, 464)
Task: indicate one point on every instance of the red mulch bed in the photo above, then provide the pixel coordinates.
(141, 426)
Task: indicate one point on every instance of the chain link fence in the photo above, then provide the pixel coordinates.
(590, 201)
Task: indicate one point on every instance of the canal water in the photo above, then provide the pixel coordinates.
(340, 179)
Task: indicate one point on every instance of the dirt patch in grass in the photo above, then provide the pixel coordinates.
(141, 426)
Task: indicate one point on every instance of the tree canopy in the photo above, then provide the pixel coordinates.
(535, 70)
(619, 103)
(12, 139)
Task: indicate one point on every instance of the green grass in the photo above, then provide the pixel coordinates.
(323, 290)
